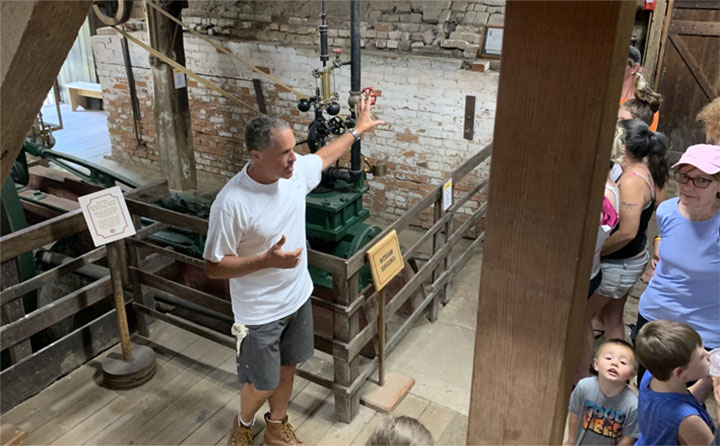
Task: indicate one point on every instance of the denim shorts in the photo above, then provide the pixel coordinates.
(286, 341)
(619, 276)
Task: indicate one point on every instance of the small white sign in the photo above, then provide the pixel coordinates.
(447, 194)
(106, 215)
(179, 79)
(493, 41)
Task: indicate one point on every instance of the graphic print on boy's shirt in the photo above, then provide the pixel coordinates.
(606, 422)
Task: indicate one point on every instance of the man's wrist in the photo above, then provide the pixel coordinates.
(355, 134)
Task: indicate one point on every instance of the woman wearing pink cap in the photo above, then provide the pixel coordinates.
(686, 283)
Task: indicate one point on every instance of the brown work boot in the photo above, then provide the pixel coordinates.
(280, 433)
(241, 435)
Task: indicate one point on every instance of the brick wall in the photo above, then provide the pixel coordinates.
(422, 98)
(427, 26)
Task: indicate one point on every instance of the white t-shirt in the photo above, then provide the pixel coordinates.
(246, 219)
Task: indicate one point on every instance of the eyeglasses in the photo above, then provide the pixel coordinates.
(699, 182)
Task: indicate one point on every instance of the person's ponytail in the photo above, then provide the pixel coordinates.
(657, 158)
(643, 143)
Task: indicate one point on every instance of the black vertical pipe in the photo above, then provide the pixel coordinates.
(324, 57)
(355, 161)
(355, 45)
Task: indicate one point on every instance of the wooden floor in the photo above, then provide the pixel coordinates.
(84, 134)
(191, 401)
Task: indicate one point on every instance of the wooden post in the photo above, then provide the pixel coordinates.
(171, 109)
(114, 253)
(141, 293)
(557, 106)
(652, 47)
(438, 239)
(345, 328)
(381, 338)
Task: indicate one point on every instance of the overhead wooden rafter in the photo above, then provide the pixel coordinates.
(35, 38)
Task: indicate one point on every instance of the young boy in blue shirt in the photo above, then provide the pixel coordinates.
(670, 412)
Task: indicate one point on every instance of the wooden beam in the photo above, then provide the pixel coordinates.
(557, 106)
(36, 37)
(663, 44)
(65, 225)
(652, 47)
(171, 107)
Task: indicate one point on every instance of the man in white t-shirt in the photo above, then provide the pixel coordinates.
(256, 239)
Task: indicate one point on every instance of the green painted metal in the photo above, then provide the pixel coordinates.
(335, 225)
(13, 219)
(90, 172)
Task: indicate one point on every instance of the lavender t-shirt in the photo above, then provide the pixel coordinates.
(686, 284)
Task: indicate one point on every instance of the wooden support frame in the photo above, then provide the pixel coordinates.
(545, 193)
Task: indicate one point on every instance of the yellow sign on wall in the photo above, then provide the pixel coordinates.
(385, 260)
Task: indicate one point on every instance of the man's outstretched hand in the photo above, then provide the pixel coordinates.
(277, 258)
(364, 120)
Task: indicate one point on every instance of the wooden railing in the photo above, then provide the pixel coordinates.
(30, 372)
(348, 338)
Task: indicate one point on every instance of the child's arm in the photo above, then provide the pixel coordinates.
(627, 441)
(572, 429)
(693, 430)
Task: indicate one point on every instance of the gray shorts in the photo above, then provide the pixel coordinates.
(266, 347)
(619, 276)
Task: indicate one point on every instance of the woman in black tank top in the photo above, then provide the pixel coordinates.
(642, 187)
(642, 155)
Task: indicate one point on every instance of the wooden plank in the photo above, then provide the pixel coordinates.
(663, 44)
(10, 435)
(167, 251)
(469, 122)
(218, 425)
(46, 316)
(437, 419)
(169, 425)
(218, 338)
(535, 271)
(327, 262)
(183, 292)
(50, 275)
(173, 218)
(694, 28)
(35, 373)
(652, 45)
(693, 66)
(74, 433)
(259, 96)
(197, 362)
(65, 225)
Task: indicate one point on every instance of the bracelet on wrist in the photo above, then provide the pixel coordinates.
(355, 134)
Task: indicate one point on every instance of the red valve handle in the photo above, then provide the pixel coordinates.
(370, 93)
(337, 50)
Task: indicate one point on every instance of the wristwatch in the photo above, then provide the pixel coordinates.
(355, 134)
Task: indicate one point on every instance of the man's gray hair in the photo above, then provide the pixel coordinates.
(258, 132)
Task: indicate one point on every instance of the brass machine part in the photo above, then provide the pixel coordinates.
(327, 96)
(377, 170)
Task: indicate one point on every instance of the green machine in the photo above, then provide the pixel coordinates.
(335, 216)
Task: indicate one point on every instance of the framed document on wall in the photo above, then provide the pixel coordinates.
(491, 47)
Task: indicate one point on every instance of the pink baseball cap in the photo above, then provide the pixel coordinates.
(705, 157)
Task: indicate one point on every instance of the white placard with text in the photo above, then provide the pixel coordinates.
(179, 79)
(447, 194)
(106, 215)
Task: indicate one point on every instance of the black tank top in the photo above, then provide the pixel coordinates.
(639, 243)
